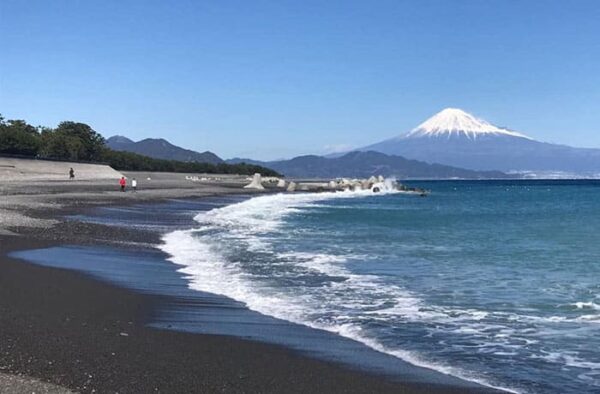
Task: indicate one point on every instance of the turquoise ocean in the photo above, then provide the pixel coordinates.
(496, 282)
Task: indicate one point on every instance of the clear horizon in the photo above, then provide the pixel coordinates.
(275, 80)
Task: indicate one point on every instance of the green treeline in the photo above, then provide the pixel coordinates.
(128, 161)
(74, 141)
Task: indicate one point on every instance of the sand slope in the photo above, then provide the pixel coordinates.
(12, 169)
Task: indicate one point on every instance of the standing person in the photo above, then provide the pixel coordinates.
(71, 173)
(134, 185)
(123, 183)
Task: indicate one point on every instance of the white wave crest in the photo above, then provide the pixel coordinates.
(587, 305)
(202, 253)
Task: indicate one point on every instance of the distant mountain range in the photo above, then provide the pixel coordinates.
(352, 165)
(366, 164)
(450, 144)
(454, 137)
(161, 149)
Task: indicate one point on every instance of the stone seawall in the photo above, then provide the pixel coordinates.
(15, 169)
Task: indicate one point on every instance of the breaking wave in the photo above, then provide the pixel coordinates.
(255, 253)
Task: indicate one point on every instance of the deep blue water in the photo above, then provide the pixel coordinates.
(179, 307)
(496, 282)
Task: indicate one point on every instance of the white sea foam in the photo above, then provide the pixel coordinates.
(569, 360)
(202, 253)
(587, 305)
(345, 298)
(319, 262)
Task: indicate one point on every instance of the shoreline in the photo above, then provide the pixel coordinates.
(66, 328)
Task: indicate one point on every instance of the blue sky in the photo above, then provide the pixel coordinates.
(271, 79)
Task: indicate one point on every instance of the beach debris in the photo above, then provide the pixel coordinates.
(256, 183)
(124, 334)
(281, 183)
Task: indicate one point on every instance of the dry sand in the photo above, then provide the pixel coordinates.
(43, 197)
(62, 331)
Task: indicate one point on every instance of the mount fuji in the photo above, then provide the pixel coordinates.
(456, 138)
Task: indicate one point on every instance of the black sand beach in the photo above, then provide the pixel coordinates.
(65, 328)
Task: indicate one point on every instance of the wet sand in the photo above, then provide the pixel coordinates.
(62, 327)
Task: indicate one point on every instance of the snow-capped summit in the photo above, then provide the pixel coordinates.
(454, 121)
(456, 138)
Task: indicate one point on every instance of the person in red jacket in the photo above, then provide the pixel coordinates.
(123, 183)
